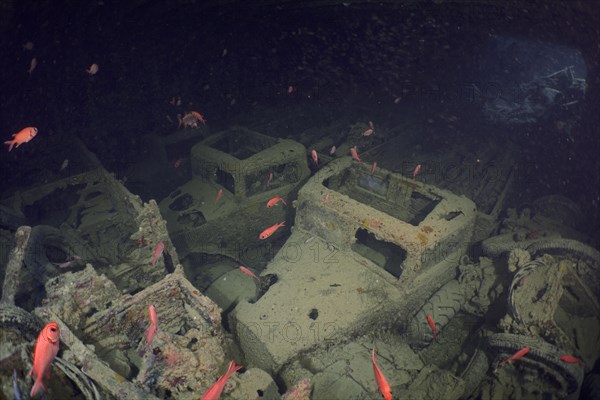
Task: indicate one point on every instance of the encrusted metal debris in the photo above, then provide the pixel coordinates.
(13, 268)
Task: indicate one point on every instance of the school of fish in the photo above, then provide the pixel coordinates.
(47, 344)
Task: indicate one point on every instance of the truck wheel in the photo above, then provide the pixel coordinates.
(542, 360)
(442, 307)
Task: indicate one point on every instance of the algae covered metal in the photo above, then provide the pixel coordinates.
(365, 248)
(221, 210)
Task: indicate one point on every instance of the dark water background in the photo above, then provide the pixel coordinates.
(230, 59)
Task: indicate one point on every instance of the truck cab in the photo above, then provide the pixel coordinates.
(222, 209)
(367, 249)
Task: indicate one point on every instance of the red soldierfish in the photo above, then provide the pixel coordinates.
(431, 323)
(153, 325)
(23, 136)
(46, 348)
(219, 195)
(158, 250)
(215, 390)
(248, 272)
(571, 360)
(382, 383)
(354, 154)
(198, 116)
(417, 170)
(315, 157)
(516, 356)
(270, 230)
(274, 201)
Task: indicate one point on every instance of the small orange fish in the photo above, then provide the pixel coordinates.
(248, 272)
(416, 171)
(23, 136)
(152, 314)
(270, 230)
(158, 250)
(177, 163)
(274, 201)
(354, 154)
(153, 325)
(315, 157)
(373, 167)
(326, 198)
(190, 120)
(571, 360)
(219, 195)
(46, 348)
(92, 69)
(290, 89)
(431, 323)
(32, 65)
(516, 356)
(215, 390)
(368, 132)
(382, 383)
(198, 116)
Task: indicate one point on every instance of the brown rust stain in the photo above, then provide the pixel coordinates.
(422, 238)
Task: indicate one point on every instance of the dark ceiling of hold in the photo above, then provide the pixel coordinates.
(232, 57)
